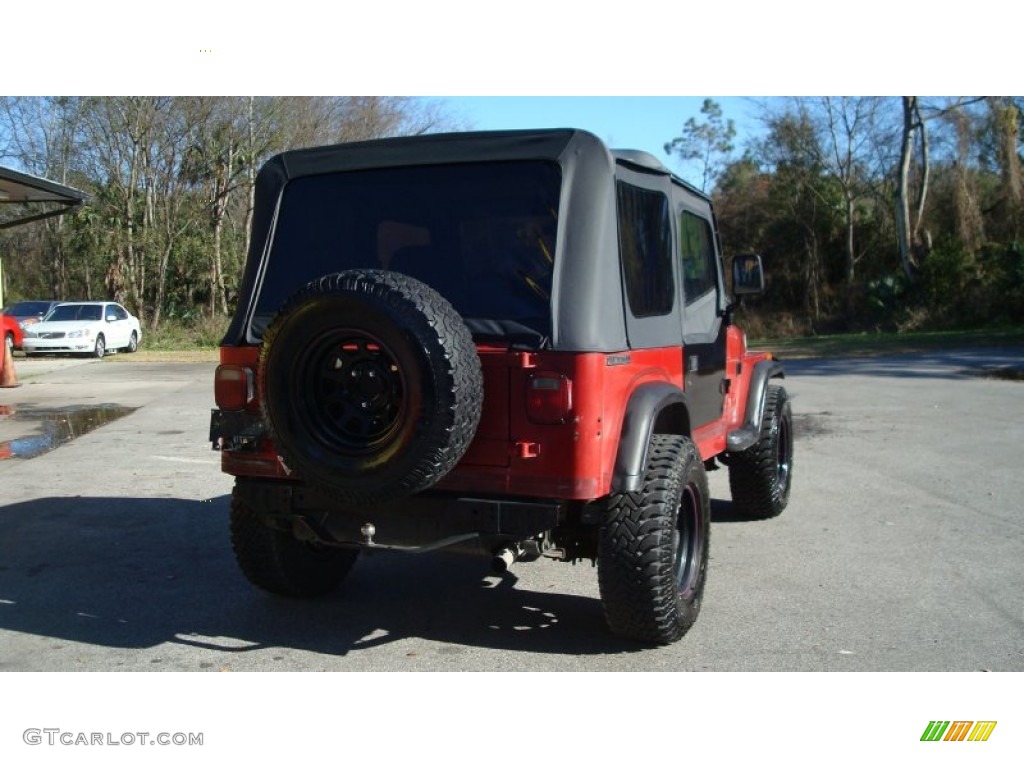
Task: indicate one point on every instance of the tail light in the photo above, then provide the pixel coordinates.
(233, 387)
(548, 398)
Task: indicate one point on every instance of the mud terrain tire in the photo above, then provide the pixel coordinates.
(760, 477)
(372, 387)
(277, 562)
(653, 546)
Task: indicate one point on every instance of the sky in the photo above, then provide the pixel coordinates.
(623, 122)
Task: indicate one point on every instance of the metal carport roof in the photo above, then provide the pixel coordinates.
(25, 198)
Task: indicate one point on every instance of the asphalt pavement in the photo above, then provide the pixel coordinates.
(902, 547)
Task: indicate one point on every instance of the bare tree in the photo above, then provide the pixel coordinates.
(849, 124)
(43, 135)
(215, 161)
(968, 223)
(842, 141)
(174, 214)
(912, 179)
(915, 133)
(1006, 122)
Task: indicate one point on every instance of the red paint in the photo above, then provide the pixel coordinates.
(572, 455)
(10, 326)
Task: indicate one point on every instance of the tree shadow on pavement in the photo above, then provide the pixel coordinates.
(134, 573)
(953, 365)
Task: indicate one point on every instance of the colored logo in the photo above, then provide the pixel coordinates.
(958, 730)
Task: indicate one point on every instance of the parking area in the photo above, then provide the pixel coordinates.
(902, 547)
(61, 398)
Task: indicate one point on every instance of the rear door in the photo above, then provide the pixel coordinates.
(117, 325)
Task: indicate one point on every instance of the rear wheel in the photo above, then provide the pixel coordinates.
(760, 477)
(653, 546)
(133, 343)
(277, 562)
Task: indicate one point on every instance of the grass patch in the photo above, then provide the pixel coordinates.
(167, 356)
(875, 344)
(202, 333)
(180, 341)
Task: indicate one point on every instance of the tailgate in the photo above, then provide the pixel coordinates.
(490, 447)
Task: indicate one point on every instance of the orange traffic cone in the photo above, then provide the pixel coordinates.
(8, 378)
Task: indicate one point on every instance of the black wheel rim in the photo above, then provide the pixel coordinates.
(783, 455)
(688, 542)
(352, 391)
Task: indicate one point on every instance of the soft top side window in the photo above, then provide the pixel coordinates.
(697, 250)
(645, 248)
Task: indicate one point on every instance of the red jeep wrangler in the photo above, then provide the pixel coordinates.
(519, 340)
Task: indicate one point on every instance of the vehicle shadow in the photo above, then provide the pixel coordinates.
(138, 572)
(724, 511)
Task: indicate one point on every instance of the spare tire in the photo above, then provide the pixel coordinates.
(371, 385)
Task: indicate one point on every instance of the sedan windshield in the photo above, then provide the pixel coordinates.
(75, 312)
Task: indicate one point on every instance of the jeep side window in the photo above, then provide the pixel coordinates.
(698, 256)
(645, 248)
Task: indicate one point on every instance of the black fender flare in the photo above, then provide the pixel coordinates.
(645, 405)
(745, 436)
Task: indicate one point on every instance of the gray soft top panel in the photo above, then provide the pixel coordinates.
(586, 303)
(429, 149)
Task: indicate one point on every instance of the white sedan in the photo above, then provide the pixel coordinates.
(90, 327)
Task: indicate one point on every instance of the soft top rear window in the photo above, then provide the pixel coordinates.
(481, 234)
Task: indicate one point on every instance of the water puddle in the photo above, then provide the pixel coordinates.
(57, 426)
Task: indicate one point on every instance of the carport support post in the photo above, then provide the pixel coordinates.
(8, 378)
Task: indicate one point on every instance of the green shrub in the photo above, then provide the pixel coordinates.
(198, 332)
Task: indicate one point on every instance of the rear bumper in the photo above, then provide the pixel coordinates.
(423, 522)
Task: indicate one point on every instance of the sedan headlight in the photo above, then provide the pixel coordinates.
(31, 334)
(86, 332)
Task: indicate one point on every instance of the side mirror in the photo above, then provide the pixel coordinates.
(111, 318)
(747, 275)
